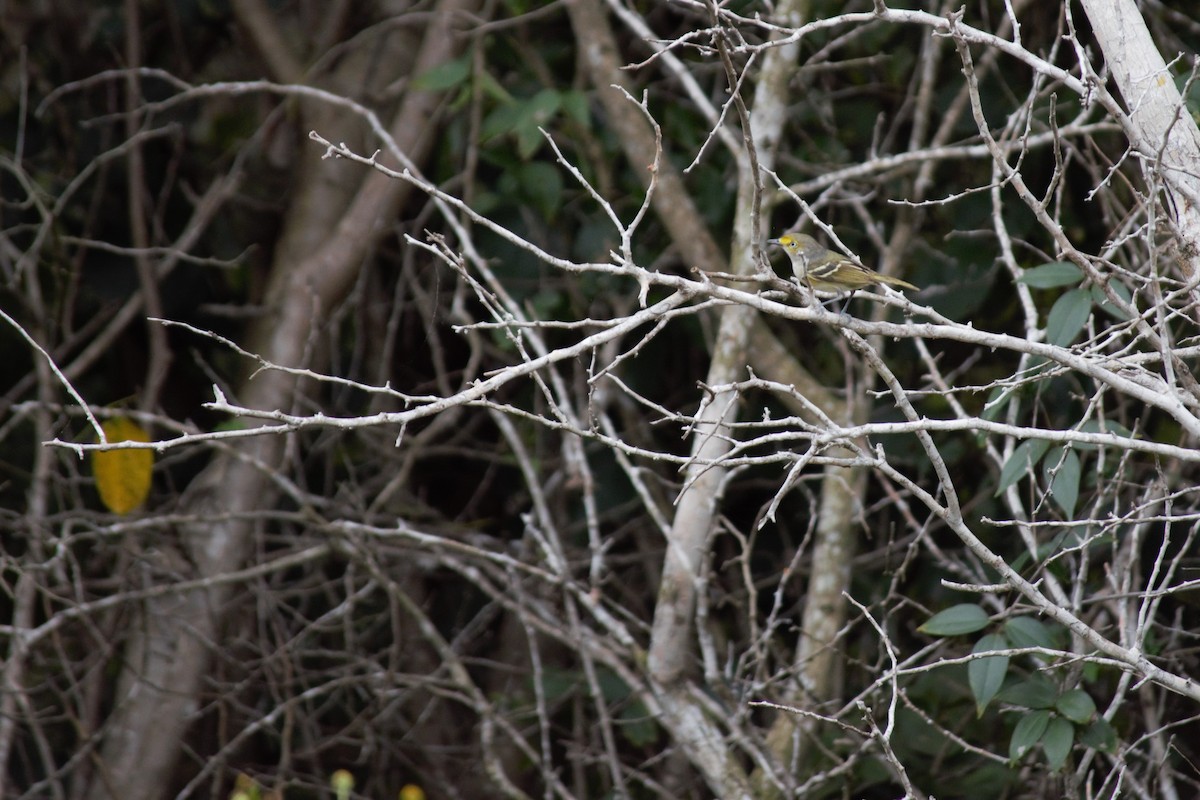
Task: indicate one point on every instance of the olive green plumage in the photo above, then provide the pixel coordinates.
(827, 271)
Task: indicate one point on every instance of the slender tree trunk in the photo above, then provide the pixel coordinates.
(161, 685)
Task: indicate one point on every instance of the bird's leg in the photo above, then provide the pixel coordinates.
(810, 292)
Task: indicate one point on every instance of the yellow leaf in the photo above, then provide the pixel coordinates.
(342, 782)
(412, 792)
(123, 476)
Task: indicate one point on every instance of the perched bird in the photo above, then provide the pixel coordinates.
(827, 271)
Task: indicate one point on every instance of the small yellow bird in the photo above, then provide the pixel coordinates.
(827, 271)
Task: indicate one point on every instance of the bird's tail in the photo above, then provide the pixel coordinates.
(896, 282)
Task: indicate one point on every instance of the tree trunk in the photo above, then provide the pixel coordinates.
(162, 682)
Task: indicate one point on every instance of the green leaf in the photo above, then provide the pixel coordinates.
(1076, 705)
(986, 675)
(543, 185)
(1054, 274)
(503, 119)
(1028, 632)
(1033, 692)
(997, 403)
(547, 303)
(544, 105)
(492, 88)
(535, 113)
(560, 684)
(1100, 736)
(1024, 458)
(1184, 82)
(1062, 468)
(637, 724)
(1057, 742)
(956, 621)
(1104, 304)
(1068, 316)
(529, 140)
(1027, 733)
(575, 104)
(1101, 426)
(444, 76)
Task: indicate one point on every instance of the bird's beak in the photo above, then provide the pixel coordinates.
(774, 242)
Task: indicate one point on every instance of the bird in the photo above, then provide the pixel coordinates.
(827, 271)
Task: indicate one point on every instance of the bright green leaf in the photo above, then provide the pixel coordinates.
(956, 621)
(1076, 705)
(1024, 458)
(1057, 742)
(1054, 274)
(986, 675)
(1068, 316)
(1028, 732)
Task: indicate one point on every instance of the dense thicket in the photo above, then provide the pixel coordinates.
(496, 457)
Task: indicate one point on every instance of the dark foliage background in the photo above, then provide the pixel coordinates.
(392, 614)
